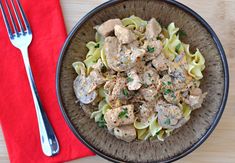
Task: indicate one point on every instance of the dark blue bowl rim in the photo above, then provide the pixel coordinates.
(225, 70)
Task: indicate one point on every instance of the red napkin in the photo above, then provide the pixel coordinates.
(17, 113)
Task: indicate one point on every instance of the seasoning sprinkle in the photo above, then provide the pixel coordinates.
(150, 49)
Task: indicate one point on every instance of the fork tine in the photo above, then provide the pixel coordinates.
(17, 17)
(9, 31)
(11, 17)
(26, 22)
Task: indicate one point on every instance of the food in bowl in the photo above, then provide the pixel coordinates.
(141, 79)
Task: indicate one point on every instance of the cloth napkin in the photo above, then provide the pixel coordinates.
(17, 113)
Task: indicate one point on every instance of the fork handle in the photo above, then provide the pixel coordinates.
(49, 142)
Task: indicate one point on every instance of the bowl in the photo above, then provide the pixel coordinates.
(202, 122)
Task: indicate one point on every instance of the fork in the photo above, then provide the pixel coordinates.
(21, 39)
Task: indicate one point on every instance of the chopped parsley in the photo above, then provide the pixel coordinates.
(166, 83)
(97, 45)
(158, 38)
(177, 48)
(150, 49)
(129, 79)
(123, 113)
(167, 121)
(125, 92)
(101, 123)
(181, 33)
(149, 75)
(167, 91)
(169, 83)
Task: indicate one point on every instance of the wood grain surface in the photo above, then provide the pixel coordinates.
(220, 146)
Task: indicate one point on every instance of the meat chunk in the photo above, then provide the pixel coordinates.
(121, 57)
(123, 115)
(196, 98)
(126, 133)
(96, 79)
(124, 35)
(160, 63)
(153, 49)
(153, 29)
(150, 77)
(168, 89)
(169, 116)
(146, 110)
(149, 93)
(117, 92)
(133, 80)
(107, 27)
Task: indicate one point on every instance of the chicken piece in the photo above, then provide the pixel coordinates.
(124, 35)
(168, 89)
(153, 29)
(196, 98)
(81, 89)
(178, 75)
(109, 85)
(118, 61)
(149, 93)
(153, 49)
(123, 115)
(96, 79)
(146, 111)
(117, 93)
(160, 63)
(169, 116)
(133, 80)
(121, 57)
(150, 77)
(107, 27)
(126, 133)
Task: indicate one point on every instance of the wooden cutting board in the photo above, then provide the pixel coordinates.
(220, 14)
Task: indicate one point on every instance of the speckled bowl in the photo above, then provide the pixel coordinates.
(202, 122)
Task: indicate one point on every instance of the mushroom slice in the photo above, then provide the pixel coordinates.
(81, 89)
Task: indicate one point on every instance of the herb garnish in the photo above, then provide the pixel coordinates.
(125, 92)
(97, 45)
(129, 79)
(149, 75)
(167, 91)
(169, 83)
(158, 38)
(123, 113)
(101, 123)
(181, 33)
(177, 48)
(167, 121)
(150, 49)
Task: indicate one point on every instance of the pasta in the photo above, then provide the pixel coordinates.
(143, 80)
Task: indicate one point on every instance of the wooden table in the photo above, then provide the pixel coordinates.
(220, 14)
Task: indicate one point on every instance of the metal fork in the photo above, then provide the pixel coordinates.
(21, 39)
